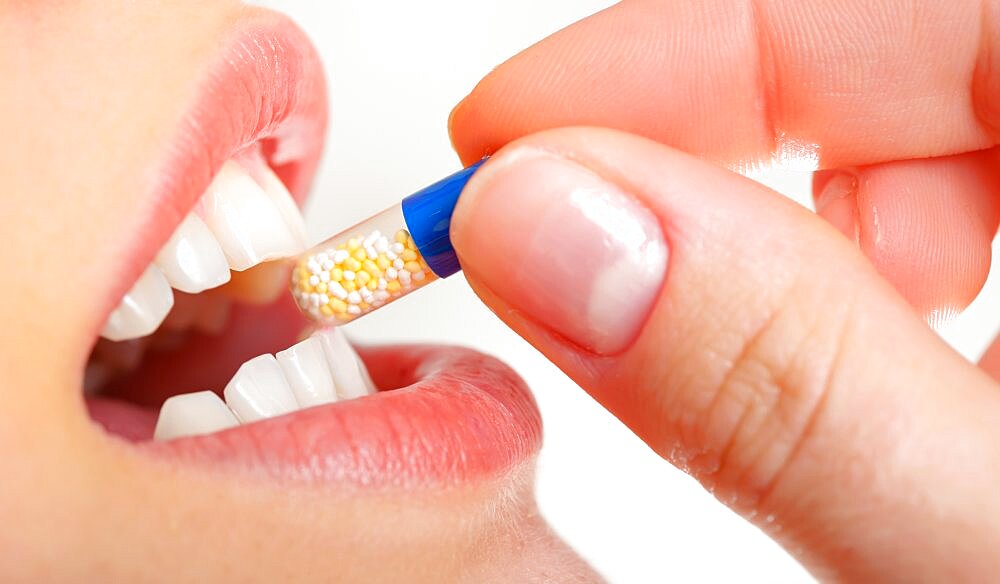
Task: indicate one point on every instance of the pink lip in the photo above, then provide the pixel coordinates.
(459, 415)
(264, 89)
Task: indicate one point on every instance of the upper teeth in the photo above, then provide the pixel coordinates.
(239, 224)
(321, 369)
(142, 310)
(192, 260)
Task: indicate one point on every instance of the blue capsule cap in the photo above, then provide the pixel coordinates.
(428, 219)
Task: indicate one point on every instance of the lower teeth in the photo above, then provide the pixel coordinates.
(322, 369)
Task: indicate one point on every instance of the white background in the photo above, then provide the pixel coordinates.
(396, 69)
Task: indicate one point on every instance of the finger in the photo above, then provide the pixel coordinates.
(742, 338)
(927, 225)
(848, 82)
(990, 361)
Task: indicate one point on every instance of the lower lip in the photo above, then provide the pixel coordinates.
(458, 417)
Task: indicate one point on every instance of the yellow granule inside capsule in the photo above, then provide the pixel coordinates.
(358, 275)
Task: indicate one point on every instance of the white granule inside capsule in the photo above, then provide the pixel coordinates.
(363, 272)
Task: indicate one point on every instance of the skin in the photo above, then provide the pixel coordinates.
(79, 505)
(826, 411)
(787, 367)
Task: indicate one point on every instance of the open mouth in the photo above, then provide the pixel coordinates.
(203, 356)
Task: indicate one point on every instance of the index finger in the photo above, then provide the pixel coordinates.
(839, 82)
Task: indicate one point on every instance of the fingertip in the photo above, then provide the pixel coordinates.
(926, 225)
(458, 133)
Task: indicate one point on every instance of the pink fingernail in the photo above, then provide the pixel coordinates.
(838, 203)
(571, 250)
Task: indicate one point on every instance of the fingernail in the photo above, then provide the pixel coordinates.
(838, 203)
(568, 249)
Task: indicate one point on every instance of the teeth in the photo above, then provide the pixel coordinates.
(192, 414)
(141, 310)
(350, 375)
(250, 223)
(259, 390)
(283, 199)
(244, 221)
(307, 373)
(192, 260)
(316, 371)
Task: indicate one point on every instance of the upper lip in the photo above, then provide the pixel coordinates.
(462, 415)
(265, 86)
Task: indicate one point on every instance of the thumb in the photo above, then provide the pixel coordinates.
(747, 342)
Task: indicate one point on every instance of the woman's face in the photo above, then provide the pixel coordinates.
(115, 122)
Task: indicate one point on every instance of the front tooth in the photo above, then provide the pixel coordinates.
(283, 199)
(192, 260)
(141, 310)
(348, 371)
(259, 390)
(192, 414)
(307, 373)
(251, 224)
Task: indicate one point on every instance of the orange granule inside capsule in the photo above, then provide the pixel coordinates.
(342, 282)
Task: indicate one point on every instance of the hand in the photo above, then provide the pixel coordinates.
(749, 342)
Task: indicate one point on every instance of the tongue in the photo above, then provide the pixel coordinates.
(131, 422)
(206, 361)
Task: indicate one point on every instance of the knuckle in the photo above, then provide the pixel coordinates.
(771, 396)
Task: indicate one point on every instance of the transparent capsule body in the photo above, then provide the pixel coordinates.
(383, 258)
(359, 270)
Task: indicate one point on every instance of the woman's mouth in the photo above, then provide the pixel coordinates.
(201, 356)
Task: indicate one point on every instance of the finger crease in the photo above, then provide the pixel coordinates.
(819, 405)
